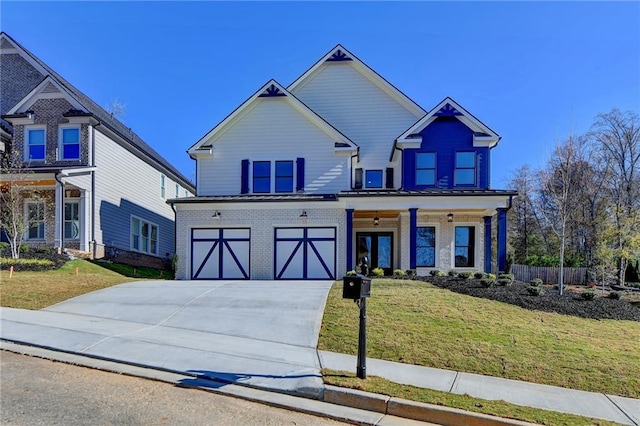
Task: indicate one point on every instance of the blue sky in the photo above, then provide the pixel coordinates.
(532, 71)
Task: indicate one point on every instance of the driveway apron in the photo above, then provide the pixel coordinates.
(258, 333)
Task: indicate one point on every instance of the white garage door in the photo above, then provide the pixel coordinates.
(305, 253)
(218, 254)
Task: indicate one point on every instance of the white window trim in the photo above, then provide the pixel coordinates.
(26, 142)
(62, 127)
(476, 252)
(132, 217)
(27, 203)
(72, 201)
(177, 190)
(272, 176)
(437, 247)
(163, 187)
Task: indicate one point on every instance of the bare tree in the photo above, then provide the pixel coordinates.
(617, 135)
(558, 190)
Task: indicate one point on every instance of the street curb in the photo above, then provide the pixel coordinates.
(399, 407)
(342, 404)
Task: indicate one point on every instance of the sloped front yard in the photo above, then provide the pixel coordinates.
(419, 323)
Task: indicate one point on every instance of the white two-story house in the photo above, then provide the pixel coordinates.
(101, 189)
(310, 180)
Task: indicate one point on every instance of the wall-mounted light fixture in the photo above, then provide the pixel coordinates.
(303, 214)
(376, 220)
(216, 215)
(450, 217)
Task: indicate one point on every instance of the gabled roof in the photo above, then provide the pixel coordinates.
(342, 55)
(272, 89)
(106, 119)
(482, 134)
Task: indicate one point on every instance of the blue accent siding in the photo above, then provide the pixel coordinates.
(487, 244)
(349, 239)
(502, 239)
(413, 230)
(446, 136)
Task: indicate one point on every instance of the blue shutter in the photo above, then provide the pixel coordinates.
(299, 174)
(358, 182)
(244, 186)
(389, 178)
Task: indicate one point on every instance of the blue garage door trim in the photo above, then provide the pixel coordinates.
(308, 246)
(227, 251)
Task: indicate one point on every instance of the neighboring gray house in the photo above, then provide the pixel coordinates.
(108, 188)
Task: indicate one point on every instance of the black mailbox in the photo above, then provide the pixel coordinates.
(356, 287)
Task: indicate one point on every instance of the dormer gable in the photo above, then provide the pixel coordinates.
(47, 89)
(483, 136)
(340, 55)
(272, 89)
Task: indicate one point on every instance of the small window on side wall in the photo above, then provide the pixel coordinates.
(465, 173)
(373, 179)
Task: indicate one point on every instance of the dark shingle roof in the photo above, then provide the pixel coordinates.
(111, 122)
(253, 198)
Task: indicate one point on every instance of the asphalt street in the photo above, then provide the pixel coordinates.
(41, 392)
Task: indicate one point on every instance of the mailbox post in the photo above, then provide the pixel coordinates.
(358, 288)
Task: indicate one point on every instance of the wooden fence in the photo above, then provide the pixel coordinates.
(549, 275)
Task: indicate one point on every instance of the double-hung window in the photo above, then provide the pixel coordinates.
(426, 168)
(163, 190)
(69, 143)
(465, 173)
(35, 144)
(177, 190)
(144, 236)
(373, 178)
(35, 221)
(465, 246)
(426, 246)
(262, 176)
(71, 220)
(284, 176)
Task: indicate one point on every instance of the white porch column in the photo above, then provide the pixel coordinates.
(84, 211)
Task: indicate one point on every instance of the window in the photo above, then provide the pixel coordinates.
(465, 173)
(465, 246)
(262, 176)
(35, 221)
(425, 168)
(284, 176)
(69, 143)
(36, 144)
(426, 246)
(374, 178)
(71, 220)
(144, 236)
(177, 190)
(162, 187)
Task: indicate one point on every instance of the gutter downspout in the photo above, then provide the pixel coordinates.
(357, 154)
(57, 178)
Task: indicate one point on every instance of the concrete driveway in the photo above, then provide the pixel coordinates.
(261, 333)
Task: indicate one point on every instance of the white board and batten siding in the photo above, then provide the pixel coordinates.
(358, 108)
(273, 130)
(128, 186)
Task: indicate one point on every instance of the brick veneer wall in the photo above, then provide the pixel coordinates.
(262, 223)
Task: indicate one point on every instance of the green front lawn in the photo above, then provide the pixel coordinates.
(417, 323)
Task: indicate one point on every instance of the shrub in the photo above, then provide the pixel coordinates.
(504, 282)
(451, 273)
(588, 294)
(536, 282)
(411, 272)
(434, 272)
(6, 262)
(377, 272)
(23, 248)
(350, 273)
(535, 290)
(509, 277)
(487, 282)
(465, 275)
(492, 276)
(4, 245)
(615, 295)
(398, 272)
(479, 275)
(44, 250)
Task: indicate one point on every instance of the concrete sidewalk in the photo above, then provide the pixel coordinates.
(261, 334)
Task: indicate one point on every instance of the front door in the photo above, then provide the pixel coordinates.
(377, 248)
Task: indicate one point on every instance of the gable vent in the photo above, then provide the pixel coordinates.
(338, 56)
(50, 88)
(447, 111)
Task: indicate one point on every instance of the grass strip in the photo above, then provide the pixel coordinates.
(503, 409)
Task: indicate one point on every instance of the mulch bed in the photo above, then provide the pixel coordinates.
(570, 303)
(33, 253)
